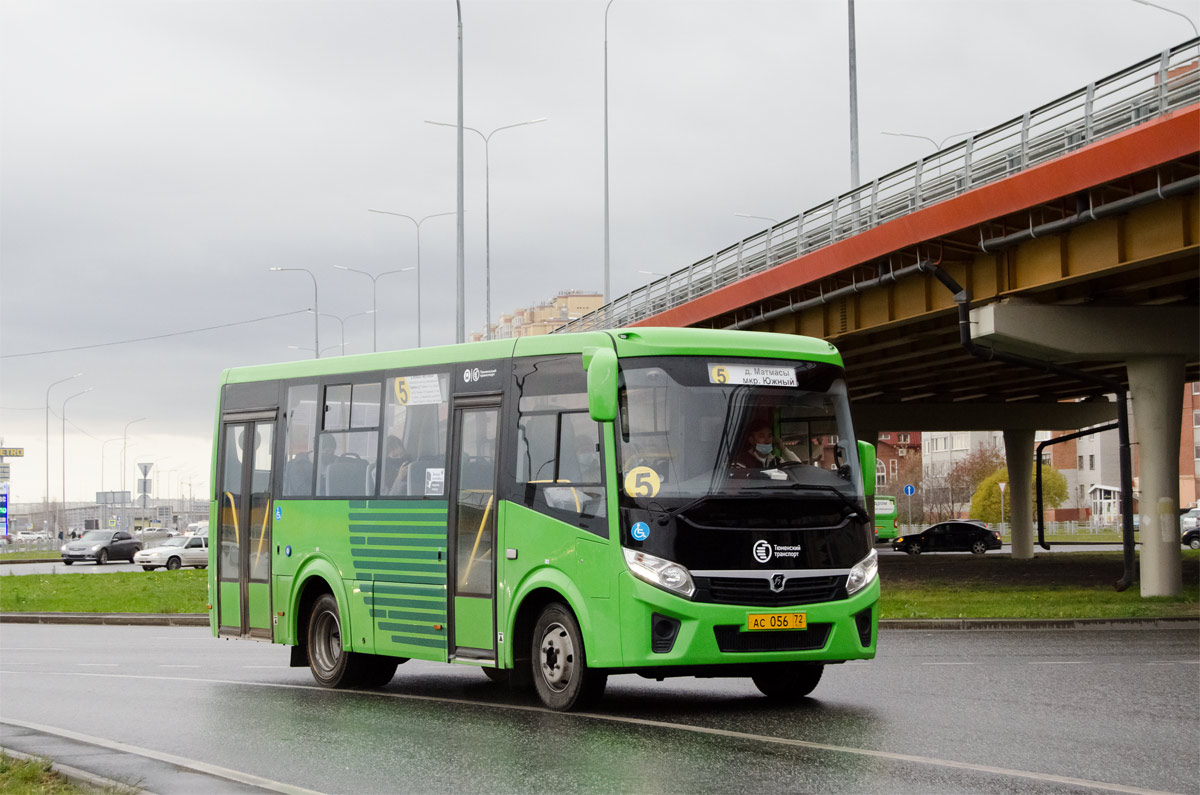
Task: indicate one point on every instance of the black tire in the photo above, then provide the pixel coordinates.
(173, 564)
(103, 558)
(149, 568)
(978, 548)
(498, 675)
(788, 682)
(914, 548)
(67, 562)
(328, 661)
(375, 670)
(202, 567)
(1194, 543)
(560, 673)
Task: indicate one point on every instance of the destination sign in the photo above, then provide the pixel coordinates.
(12, 452)
(751, 375)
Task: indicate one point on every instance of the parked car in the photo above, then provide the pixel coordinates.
(953, 536)
(28, 535)
(1191, 538)
(173, 553)
(101, 546)
(1189, 520)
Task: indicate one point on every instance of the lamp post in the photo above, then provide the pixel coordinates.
(417, 224)
(937, 145)
(487, 198)
(460, 329)
(1002, 485)
(1170, 11)
(63, 507)
(316, 310)
(124, 448)
(46, 502)
(305, 348)
(771, 228)
(374, 306)
(610, 2)
(853, 100)
(342, 322)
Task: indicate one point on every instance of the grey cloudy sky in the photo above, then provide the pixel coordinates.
(156, 158)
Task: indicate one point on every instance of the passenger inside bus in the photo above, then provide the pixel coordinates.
(397, 465)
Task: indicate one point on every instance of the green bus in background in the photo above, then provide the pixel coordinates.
(885, 518)
(665, 502)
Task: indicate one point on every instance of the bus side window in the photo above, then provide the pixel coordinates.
(414, 444)
(299, 440)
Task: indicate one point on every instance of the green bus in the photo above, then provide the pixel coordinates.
(556, 508)
(885, 518)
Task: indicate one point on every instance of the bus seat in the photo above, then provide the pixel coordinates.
(348, 476)
(416, 474)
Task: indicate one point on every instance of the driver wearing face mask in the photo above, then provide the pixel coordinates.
(759, 452)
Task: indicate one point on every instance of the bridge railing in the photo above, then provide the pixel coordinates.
(1141, 92)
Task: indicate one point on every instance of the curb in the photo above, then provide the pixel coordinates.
(941, 624)
(109, 619)
(80, 778)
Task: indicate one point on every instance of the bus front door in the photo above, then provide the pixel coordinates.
(244, 535)
(473, 529)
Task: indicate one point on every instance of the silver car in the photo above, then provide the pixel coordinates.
(174, 553)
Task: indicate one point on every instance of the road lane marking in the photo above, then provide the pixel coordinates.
(950, 663)
(683, 727)
(97, 665)
(1058, 662)
(180, 761)
(177, 666)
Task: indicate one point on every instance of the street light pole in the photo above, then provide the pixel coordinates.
(46, 502)
(316, 310)
(487, 213)
(417, 224)
(854, 181)
(125, 446)
(374, 305)
(1171, 11)
(63, 506)
(460, 332)
(606, 285)
(770, 230)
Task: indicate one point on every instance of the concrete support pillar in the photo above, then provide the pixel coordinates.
(1018, 450)
(1156, 384)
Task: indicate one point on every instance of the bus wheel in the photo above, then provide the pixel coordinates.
(560, 673)
(375, 670)
(788, 681)
(330, 664)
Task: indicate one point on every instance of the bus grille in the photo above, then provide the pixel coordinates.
(756, 591)
(730, 638)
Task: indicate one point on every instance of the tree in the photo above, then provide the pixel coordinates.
(985, 505)
(946, 492)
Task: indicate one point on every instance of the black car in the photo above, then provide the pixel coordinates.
(954, 536)
(101, 546)
(1191, 538)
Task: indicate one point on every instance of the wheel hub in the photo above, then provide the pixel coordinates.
(557, 657)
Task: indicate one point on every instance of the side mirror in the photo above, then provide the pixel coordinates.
(866, 457)
(601, 383)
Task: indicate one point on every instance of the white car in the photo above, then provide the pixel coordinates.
(174, 553)
(32, 535)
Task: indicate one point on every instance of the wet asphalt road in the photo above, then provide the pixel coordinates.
(1116, 707)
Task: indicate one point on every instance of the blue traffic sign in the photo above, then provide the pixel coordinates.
(909, 490)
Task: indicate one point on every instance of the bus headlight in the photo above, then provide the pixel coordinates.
(659, 572)
(863, 572)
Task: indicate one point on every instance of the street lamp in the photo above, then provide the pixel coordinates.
(316, 309)
(125, 446)
(417, 224)
(610, 2)
(342, 322)
(374, 283)
(774, 223)
(653, 273)
(46, 505)
(304, 348)
(63, 510)
(487, 194)
(937, 145)
(1170, 11)
(853, 100)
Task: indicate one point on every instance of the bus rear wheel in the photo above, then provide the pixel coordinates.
(560, 673)
(788, 682)
(333, 666)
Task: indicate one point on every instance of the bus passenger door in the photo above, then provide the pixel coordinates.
(473, 528)
(244, 534)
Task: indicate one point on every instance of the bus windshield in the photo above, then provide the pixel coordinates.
(696, 427)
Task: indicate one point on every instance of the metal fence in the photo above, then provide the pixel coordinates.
(1141, 92)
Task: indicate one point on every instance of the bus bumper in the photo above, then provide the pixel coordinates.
(661, 629)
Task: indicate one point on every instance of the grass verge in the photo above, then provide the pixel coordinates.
(116, 592)
(1074, 585)
(33, 775)
(30, 554)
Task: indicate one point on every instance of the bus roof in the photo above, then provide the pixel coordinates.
(627, 342)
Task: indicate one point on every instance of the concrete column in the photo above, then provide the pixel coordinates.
(1018, 450)
(1156, 384)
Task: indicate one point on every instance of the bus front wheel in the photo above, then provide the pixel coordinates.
(788, 681)
(560, 673)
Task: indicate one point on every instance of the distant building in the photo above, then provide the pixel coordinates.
(542, 318)
(892, 448)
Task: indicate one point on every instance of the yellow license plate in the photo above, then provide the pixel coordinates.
(768, 621)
